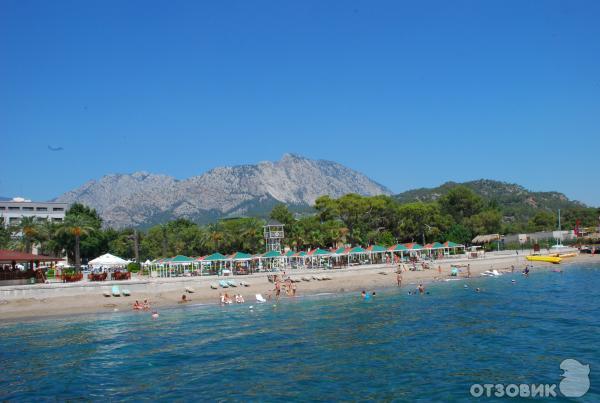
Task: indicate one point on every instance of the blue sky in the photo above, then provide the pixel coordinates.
(410, 93)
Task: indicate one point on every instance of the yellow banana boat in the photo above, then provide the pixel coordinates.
(548, 259)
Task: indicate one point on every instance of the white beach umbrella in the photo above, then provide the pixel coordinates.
(108, 260)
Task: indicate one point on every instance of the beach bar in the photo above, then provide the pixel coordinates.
(10, 274)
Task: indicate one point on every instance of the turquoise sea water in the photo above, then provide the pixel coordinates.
(337, 347)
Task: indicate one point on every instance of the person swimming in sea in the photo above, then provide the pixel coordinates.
(526, 271)
(421, 289)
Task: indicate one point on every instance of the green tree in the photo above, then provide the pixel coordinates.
(461, 202)
(460, 234)
(5, 234)
(421, 222)
(327, 208)
(543, 221)
(486, 222)
(28, 228)
(77, 226)
(282, 214)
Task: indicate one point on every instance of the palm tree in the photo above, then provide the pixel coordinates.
(77, 226)
(46, 238)
(29, 229)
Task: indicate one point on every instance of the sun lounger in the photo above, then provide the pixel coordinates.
(305, 278)
(244, 284)
(231, 283)
(214, 286)
(260, 298)
(106, 294)
(116, 292)
(189, 289)
(126, 293)
(223, 284)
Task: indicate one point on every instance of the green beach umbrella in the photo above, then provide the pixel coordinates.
(241, 256)
(376, 248)
(413, 246)
(398, 248)
(357, 249)
(342, 250)
(215, 256)
(319, 252)
(272, 254)
(181, 259)
(290, 253)
(450, 244)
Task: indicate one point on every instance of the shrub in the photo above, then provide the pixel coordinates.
(133, 267)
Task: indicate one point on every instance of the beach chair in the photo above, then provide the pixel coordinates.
(214, 286)
(189, 290)
(223, 284)
(260, 299)
(106, 294)
(116, 292)
(231, 283)
(126, 293)
(244, 284)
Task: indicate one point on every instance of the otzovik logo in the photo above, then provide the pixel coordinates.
(575, 383)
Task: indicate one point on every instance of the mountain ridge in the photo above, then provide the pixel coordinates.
(142, 198)
(515, 201)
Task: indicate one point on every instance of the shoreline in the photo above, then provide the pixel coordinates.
(88, 299)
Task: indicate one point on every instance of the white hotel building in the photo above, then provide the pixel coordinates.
(12, 211)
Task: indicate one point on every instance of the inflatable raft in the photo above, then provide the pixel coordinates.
(548, 259)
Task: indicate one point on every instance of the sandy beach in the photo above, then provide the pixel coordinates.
(46, 300)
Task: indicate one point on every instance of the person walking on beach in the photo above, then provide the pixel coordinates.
(469, 270)
(440, 270)
(399, 278)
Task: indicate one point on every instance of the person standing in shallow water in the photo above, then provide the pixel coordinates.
(469, 270)
(399, 278)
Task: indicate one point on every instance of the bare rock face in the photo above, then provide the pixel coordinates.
(140, 199)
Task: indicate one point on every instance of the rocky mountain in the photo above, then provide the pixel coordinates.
(515, 202)
(142, 199)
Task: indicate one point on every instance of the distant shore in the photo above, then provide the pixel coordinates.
(47, 300)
